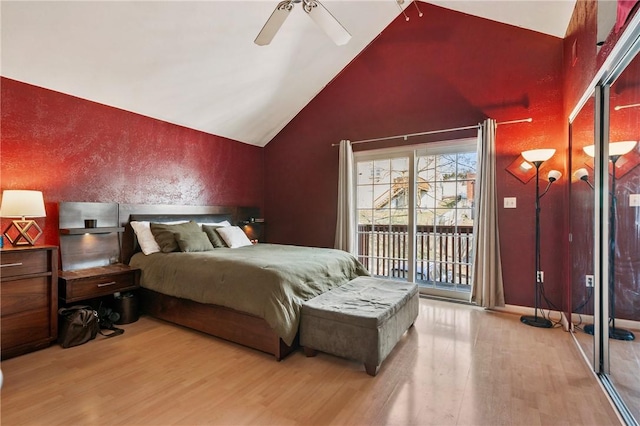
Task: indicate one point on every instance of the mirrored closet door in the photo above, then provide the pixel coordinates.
(605, 224)
(623, 96)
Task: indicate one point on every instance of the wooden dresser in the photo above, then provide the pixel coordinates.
(28, 299)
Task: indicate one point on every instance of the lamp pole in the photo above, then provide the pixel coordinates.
(535, 320)
(614, 333)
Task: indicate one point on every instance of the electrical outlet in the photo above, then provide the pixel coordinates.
(634, 200)
(588, 280)
(540, 276)
(509, 202)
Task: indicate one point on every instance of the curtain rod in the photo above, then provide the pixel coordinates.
(433, 132)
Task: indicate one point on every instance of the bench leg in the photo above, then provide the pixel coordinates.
(309, 352)
(371, 369)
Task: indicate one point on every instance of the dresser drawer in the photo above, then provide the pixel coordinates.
(87, 288)
(24, 295)
(22, 262)
(23, 328)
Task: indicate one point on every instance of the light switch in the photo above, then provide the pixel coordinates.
(634, 200)
(509, 202)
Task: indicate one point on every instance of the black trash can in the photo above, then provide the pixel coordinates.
(126, 304)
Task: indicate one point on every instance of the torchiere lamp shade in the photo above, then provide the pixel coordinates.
(22, 204)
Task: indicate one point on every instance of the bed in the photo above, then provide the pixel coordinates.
(250, 295)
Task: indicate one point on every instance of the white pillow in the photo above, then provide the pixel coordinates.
(234, 236)
(145, 237)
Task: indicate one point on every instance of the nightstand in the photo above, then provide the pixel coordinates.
(91, 283)
(29, 299)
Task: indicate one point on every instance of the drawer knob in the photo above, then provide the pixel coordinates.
(6, 265)
(106, 284)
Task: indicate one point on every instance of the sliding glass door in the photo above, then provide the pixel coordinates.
(444, 217)
(383, 214)
(415, 214)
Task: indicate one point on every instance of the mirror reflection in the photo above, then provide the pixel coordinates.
(582, 227)
(624, 272)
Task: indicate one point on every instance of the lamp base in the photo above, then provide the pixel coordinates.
(535, 321)
(614, 333)
(19, 232)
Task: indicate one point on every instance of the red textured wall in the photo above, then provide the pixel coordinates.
(440, 71)
(76, 150)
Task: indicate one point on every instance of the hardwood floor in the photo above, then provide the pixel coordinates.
(624, 361)
(459, 365)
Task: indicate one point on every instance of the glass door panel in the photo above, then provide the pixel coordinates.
(383, 214)
(624, 235)
(581, 216)
(444, 221)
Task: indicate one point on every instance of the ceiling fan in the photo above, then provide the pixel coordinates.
(316, 11)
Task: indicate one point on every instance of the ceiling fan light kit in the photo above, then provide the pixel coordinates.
(316, 11)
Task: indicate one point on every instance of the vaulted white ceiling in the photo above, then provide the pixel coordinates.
(194, 63)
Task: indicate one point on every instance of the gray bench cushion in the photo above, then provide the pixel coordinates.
(364, 301)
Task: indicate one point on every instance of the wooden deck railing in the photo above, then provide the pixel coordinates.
(443, 253)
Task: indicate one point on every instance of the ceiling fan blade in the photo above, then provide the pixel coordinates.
(274, 23)
(325, 20)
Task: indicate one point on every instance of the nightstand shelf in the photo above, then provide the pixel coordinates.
(91, 283)
(100, 230)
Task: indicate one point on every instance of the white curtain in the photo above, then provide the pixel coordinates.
(346, 224)
(487, 287)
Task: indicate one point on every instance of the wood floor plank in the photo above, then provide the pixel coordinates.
(459, 365)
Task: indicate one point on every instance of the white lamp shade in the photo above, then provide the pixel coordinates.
(534, 155)
(590, 150)
(581, 173)
(621, 148)
(22, 203)
(615, 148)
(554, 175)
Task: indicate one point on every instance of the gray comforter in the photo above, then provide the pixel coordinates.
(270, 281)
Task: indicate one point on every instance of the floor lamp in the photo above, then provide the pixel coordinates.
(616, 150)
(537, 157)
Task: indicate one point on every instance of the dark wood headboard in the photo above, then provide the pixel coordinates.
(166, 213)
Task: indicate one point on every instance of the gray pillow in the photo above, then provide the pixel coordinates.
(164, 234)
(193, 241)
(214, 237)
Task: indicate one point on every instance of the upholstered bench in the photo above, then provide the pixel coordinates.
(361, 320)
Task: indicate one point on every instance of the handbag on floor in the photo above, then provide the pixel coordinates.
(78, 325)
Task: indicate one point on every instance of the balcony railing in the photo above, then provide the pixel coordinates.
(443, 253)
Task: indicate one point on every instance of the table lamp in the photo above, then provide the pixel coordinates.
(22, 205)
